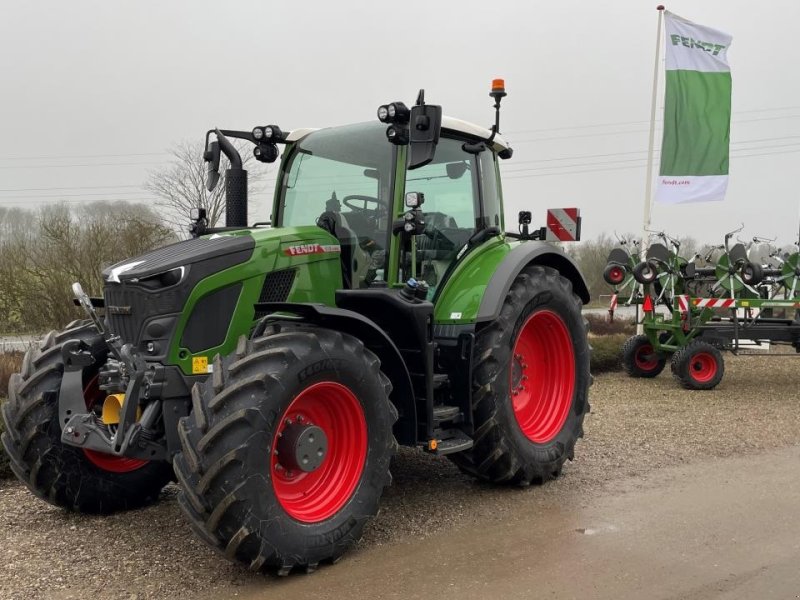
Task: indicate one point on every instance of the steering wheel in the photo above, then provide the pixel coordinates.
(348, 202)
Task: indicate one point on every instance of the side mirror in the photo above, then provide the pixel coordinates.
(456, 170)
(211, 156)
(425, 124)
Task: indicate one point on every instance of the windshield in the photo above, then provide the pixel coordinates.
(341, 180)
(345, 170)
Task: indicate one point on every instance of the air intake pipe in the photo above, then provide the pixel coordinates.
(235, 185)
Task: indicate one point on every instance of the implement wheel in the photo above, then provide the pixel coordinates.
(287, 450)
(530, 383)
(614, 274)
(698, 365)
(70, 477)
(639, 358)
(646, 272)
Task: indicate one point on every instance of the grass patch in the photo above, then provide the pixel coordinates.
(607, 352)
(600, 325)
(10, 362)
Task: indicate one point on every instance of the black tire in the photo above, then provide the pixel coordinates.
(503, 453)
(752, 273)
(646, 272)
(227, 446)
(59, 474)
(637, 359)
(698, 365)
(614, 273)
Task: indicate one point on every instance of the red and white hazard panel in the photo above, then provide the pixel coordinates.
(715, 302)
(563, 225)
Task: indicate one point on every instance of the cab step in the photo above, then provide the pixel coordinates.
(443, 412)
(450, 441)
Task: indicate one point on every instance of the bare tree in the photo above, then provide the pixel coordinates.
(181, 186)
(42, 252)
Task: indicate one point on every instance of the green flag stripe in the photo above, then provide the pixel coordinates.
(697, 116)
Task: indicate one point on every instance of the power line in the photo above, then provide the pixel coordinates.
(508, 170)
(617, 123)
(104, 194)
(74, 200)
(73, 156)
(78, 165)
(79, 187)
(609, 133)
(632, 166)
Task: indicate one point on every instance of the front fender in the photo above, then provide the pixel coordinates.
(374, 338)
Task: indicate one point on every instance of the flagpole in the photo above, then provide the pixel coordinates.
(648, 186)
(648, 190)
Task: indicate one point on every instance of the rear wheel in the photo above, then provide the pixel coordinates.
(639, 358)
(287, 452)
(530, 383)
(69, 477)
(698, 365)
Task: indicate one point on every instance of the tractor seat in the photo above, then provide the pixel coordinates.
(355, 262)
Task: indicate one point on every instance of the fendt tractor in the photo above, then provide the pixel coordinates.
(273, 369)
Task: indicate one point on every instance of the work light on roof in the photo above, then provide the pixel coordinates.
(258, 133)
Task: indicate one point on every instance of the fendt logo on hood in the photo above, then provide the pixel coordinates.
(302, 249)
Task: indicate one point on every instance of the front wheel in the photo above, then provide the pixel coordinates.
(639, 358)
(287, 450)
(70, 477)
(530, 383)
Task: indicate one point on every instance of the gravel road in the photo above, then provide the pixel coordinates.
(636, 427)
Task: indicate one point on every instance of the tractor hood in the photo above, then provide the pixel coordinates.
(179, 255)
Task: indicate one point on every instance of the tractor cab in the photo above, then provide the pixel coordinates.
(346, 179)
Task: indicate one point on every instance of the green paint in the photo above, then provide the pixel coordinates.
(463, 291)
(697, 117)
(318, 277)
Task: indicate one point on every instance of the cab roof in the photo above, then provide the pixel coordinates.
(448, 124)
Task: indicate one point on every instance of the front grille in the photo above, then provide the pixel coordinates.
(276, 288)
(128, 307)
(123, 312)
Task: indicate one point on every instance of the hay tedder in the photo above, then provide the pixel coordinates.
(734, 297)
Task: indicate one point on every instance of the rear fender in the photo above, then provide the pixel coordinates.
(523, 255)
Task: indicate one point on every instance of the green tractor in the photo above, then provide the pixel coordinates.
(272, 370)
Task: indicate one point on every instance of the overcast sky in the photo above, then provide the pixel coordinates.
(112, 84)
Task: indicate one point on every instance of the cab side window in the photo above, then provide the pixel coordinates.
(451, 213)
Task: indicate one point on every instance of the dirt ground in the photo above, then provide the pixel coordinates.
(641, 433)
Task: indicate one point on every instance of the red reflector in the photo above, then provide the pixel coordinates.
(648, 304)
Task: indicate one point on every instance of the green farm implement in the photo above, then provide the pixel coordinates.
(735, 298)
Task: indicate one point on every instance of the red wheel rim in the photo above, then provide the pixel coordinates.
(94, 396)
(703, 367)
(616, 274)
(542, 376)
(314, 496)
(641, 360)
